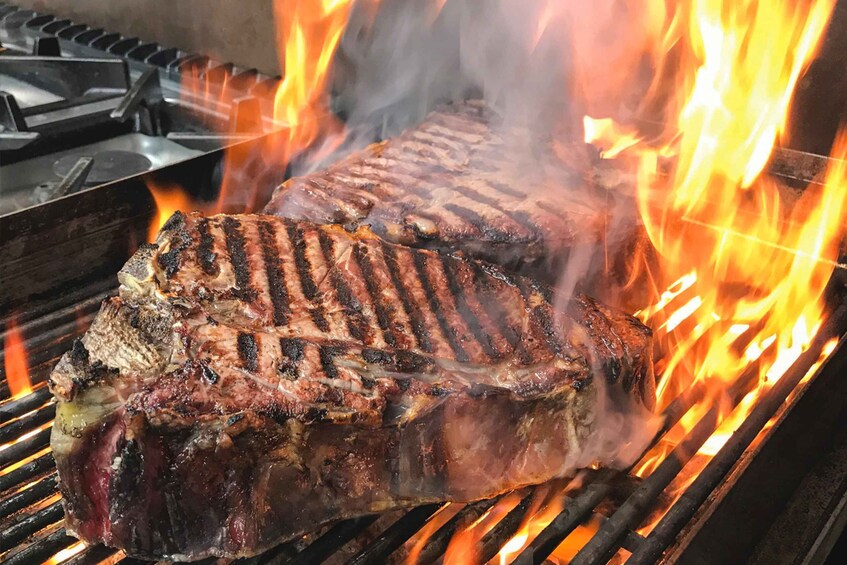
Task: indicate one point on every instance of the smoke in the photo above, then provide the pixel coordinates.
(540, 66)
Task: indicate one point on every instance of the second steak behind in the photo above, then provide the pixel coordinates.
(460, 183)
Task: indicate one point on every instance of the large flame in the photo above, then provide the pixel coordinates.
(743, 261)
(15, 364)
(293, 116)
(740, 263)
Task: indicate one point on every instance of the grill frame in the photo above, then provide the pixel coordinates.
(63, 305)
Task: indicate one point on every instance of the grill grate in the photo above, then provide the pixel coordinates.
(31, 514)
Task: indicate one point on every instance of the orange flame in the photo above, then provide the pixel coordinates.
(464, 545)
(749, 264)
(15, 361)
(67, 553)
(294, 114)
(169, 198)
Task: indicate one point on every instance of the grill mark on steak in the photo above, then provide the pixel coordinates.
(238, 258)
(327, 353)
(273, 269)
(471, 316)
(383, 317)
(206, 255)
(522, 219)
(541, 314)
(413, 311)
(248, 351)
(171, 260)
(291, 349)
(448, 329)
(506, 189)
(356, 323)
(492, 233)
(304, 272)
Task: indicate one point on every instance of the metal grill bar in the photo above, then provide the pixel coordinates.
(17, 427)
(396, 535)
(39, 491)
(437, 544)
(35, 522)
(332, 540)
(683, 509)
(504, 529)
(574, 513)
(26, 472)
(92, 555)
(19, 451)
(43, 549)
(24, 404)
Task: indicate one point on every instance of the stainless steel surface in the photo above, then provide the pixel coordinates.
(25, 93)
(229, 30)
(18, 180)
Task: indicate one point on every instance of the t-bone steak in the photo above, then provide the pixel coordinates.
(259, 377)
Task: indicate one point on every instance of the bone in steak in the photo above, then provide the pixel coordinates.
(460, 183)
(258, 377)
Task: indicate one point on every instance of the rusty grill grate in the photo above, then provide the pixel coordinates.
(31, 514)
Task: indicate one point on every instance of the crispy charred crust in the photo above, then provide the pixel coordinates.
(235, 244)
(176, 221)
(209, 374)
(206, 255)
(248, 352)
(86, 373)
(179, 240)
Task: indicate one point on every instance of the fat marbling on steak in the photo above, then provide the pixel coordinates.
(461, 182)
(258, 377)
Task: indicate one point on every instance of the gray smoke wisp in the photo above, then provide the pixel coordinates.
(399, 60)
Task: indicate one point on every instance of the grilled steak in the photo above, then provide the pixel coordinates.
(257, 377)
(457, 183)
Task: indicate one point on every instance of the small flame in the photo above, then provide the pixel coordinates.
(169, 198)
(464, 545)
(15, 361)
(539, 516)
(67, 553)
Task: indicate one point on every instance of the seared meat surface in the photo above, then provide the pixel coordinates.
(258, 377)
(459, 183)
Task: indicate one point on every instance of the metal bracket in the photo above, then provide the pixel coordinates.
(146, 90)
(13, 128)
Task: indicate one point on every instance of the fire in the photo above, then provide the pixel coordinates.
(66, 553)
(294, 116)
(531, 527)
(15, 361)
(169, 198)
(463, 547)
(744, 265)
